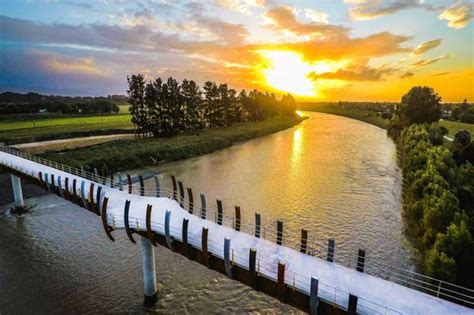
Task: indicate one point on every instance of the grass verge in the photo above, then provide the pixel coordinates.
(129, 154)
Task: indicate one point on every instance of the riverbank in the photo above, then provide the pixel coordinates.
(137, 153)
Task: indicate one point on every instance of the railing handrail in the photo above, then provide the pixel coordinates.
(406, 280)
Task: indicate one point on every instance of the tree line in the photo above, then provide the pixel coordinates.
(164, 108)
(32, 103)
(438, 188)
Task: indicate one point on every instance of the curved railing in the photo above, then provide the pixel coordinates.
(405, 277)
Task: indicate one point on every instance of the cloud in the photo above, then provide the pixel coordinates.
(67, 65)
(356, 72)
(424, 47)
(441, 74)
(316, 16)
(458, 15)
(370, 9)
(407, 75)
(283, 18)
(426, 62)
(242, 6)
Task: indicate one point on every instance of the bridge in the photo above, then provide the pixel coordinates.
(265, 258)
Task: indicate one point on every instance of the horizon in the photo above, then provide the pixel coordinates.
(326, 51)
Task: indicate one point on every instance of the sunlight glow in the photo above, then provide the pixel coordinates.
(288, 72)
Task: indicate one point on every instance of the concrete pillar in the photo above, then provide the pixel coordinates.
(149, 276)
(17, 192)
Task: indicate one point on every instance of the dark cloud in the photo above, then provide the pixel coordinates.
(356, 72)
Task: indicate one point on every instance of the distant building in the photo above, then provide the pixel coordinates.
(43, 110)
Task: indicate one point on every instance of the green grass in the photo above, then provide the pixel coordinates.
(29, 128)
(129, 154)
(363, 115)
(454, 127)
(124, 109)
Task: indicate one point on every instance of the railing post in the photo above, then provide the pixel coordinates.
(129, 180)
(185, 237)
(142, 185)
(120, 180)
(220, 212)
(352, 307)
(313, 297)
(167, 230)
(157, 186)
(190, 200)
(149, 275)
(227, 263)
(204, 251)
(331, 248)
(281, 281)
(252, 268)
(181, 194)
(237, 218)
(279, 236)
(96, 175)
(203, 206)
(361, 260)
(257, 224)
(175, 188)
(304, 241)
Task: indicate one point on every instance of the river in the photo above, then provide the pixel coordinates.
(334, 176)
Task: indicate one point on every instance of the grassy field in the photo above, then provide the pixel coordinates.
(363, 115)
(129, 154)
(454, 127)
(369, 117)
(29, 128)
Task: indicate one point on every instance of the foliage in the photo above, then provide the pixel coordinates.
(438, 197)
(420, 105)
(167, 108)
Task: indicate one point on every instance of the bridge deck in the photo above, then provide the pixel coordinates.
(335, 282)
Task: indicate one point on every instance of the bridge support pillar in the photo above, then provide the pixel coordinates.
(17, 192)
(149, 276)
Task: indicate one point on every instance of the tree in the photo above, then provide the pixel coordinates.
(420, 105)
(211, 102)
(191, 96)
(463, 138)
(288, 105)
(136, 87)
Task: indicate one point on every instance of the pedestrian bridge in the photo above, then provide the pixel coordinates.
(264, 258)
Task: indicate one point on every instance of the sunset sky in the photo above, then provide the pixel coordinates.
(325, 50)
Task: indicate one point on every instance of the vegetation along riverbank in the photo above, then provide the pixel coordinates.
(176, 120)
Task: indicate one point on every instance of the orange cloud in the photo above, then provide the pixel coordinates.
(423, 62)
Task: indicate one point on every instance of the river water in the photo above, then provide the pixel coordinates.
(334, 176)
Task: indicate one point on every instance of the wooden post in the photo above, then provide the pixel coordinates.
(331, 248)
(185, 237)
(304, 241)
(281, 281)
(112, 180)
(142, 185)
(190, 200)
(361, 260)
(220, 212)
(175, 188)
(127, 221)
(181, 194)
(237, 218)
(203, 206)
(279, 238)
(129, 179)
(313, 297)
(74, 190)
(252, 268)
(257, 224)
(91, 197)
(352, 308)
(149, 232)
(106, 226)
(204, 252)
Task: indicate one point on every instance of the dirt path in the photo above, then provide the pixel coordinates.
(67, 144)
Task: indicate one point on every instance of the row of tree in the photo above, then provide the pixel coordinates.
(162, 108)
(438, 189)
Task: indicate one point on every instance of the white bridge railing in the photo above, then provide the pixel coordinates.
(405, 277)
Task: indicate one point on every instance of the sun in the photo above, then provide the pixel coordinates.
(288, 72)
